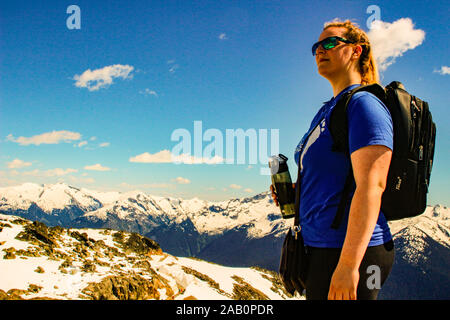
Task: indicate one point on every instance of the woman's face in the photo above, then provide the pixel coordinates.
(336, 61)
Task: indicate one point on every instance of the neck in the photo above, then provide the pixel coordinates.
(342, 82)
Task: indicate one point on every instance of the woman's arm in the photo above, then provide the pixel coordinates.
(370, 168)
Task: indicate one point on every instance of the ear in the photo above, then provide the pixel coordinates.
(357, 50)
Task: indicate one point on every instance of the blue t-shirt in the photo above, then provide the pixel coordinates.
(323, 172)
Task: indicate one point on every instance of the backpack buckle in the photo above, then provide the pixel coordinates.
(296, 230)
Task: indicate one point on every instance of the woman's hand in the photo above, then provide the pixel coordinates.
(274, 195)
(344, 283)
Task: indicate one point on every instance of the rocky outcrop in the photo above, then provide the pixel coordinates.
(38, 233)
(244, 291)
(141, 245)
(113, 265)
(125, 287)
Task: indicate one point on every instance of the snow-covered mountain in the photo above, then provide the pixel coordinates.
(40, 262)
(422, 257)
(238, 232)
(208, 217)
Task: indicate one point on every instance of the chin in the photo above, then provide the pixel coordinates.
(324, 72)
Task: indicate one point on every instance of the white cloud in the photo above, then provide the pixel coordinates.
(97, 167)
(182, 180)
(82, 143)
(53, 137)
(223, 36)
(188, 159)
(148, 92)
(57, 172)
(172, 66)
(146, 186)
(17, 163)
(80, 180)
(235, 186)
(444, 70)
(391, 40)
(166, 156)
(100, 78)
(248, 190)
(104, 144)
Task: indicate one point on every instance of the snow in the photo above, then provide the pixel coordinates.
(223, 276)
(258, 213)
(103, 197)
(435, 222)
(21, 196)
(228, 214)
(20, 273)
(47, 197)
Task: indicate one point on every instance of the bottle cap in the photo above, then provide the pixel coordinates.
(278, 164)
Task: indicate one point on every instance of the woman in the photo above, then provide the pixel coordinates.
(353, 261)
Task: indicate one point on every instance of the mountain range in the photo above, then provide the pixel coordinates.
(38, 262)
(238, 232)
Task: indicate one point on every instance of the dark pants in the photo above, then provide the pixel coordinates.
(373, 271)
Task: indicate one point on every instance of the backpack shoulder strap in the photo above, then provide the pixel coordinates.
(339, 131)
(338, 119)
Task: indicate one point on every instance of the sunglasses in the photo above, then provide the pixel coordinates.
(328, 43)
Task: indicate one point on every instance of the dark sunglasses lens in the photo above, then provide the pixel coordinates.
(327, 44)
(314, 48)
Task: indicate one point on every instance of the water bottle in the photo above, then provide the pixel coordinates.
(282, 184)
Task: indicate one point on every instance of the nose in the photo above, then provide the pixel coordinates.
(320, 50)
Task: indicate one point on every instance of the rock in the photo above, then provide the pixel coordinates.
(244, 291)
(15, 294)
(132, 287)
(89, 266)
(4, 225)
(38, 233)
(30, 252)
(3, 295)
(202, 277)
(82, 237)
(19, 221)
(10, 253)
(33, 288)
(98, 245)
(118, 237)
(39, 269)
(141, 245)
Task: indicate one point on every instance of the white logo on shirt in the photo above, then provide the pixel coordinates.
(312, 138)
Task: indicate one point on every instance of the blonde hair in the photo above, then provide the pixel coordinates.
(367, 65)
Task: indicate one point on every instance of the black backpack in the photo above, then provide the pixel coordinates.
(412, 158)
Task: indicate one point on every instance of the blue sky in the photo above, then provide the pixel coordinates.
(229, 64)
